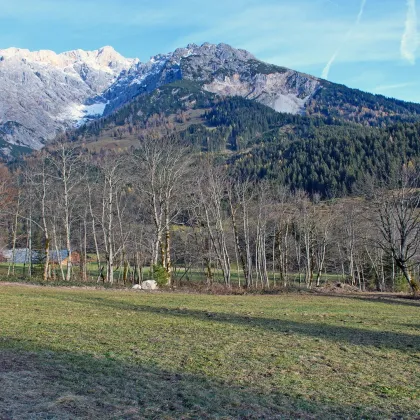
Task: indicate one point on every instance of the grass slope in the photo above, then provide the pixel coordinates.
(67, 353)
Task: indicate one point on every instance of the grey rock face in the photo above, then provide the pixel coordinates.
(16, 134)
(194, 62)
(44, 93)
(284, 92)
(223, 70)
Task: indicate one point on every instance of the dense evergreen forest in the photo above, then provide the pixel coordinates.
(338, 101)
(317, 155)
(327, 153)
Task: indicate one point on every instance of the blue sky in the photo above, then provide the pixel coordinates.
(368, 44)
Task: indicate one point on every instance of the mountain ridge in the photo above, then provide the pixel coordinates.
(103, 57)
(45, 93)
(48, 93)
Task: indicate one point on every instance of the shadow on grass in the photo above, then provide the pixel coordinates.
(392, 300)
(38, 382)
(344, 334)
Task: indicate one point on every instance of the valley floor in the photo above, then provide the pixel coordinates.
(75, 353)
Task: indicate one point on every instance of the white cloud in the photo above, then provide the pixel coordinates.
(360, 15)
(409, 40)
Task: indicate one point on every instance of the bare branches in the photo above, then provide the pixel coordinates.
(162, 167)
(184, 215)
(395, 209)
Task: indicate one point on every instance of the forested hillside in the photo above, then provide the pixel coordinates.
(325, 154)
(338, 101)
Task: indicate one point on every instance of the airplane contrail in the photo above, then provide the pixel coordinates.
(327, 68)
(360, 15)
(409, 40)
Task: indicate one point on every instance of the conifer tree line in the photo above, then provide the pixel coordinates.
(323, 153)
(163, 212)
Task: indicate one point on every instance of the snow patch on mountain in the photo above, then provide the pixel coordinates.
(79, 114)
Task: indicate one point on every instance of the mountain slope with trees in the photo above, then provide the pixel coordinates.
(319, 154)
(46, 93)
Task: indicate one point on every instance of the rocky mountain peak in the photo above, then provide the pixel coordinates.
(12, 52)
(105, 58)
(107, 49)
(46, 92)
(223, 52)
(24, 55)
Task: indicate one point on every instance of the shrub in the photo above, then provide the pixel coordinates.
(401, 284)
(160, 275)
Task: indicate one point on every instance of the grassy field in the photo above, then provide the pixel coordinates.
(180, 277)
(75, 353)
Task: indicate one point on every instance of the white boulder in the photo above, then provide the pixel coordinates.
(149, 285)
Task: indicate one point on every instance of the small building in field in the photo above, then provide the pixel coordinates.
(19, 256)
(3, 259)
(61, 257)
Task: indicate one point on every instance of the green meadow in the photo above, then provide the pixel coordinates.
(79, 353)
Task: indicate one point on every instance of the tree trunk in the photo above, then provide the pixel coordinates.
(414, 286)
(11, 269)
(110, 255)
(168, 262)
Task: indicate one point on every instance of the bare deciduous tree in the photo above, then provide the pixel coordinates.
(162, 165)
(395, 207)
